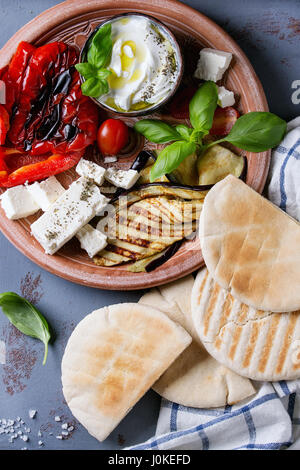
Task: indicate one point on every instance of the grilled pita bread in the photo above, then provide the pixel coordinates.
(112, 358)
(195, 378)
(254, 343)
(251, 247)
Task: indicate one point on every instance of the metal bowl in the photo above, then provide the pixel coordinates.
(179, 59)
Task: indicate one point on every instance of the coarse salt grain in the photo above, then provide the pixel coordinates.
(2, 353)
(32, 413)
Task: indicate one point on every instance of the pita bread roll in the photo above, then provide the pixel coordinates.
(195, 378)
(251, 247)
(112, 358)
(254, 343)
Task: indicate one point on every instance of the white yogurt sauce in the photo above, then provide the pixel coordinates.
(144, 65)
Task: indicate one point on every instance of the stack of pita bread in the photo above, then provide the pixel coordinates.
(197, 343)
(246, 305)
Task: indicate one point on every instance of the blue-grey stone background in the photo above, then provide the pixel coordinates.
(269, 33)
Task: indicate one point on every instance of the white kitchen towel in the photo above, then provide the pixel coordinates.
(271, 418)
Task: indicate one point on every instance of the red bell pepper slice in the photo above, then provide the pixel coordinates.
(45, 65)
(224, 120)
(4, 124)
(17, 168)
(49, 112)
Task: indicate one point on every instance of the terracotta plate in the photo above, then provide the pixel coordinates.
(72, 21)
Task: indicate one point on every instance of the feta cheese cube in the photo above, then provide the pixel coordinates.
(120, 178)
(91, 240)
(46, 192)
(226, 97)
(17, 202)
(72, 211)
(212, 64)
(91, 170)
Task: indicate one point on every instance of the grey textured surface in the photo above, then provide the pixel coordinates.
(269, 33)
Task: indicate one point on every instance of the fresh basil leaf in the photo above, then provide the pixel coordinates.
(171, 157)
(202, 107)
(157, 131)
(100, 50)
(94, 87)
(86, 69)
(103, 74)
(26, 318)
(257, 131)
(184, 131)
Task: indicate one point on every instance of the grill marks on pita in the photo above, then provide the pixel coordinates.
(251, 247)
(257, 344)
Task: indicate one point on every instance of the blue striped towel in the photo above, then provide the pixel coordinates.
(271, 418)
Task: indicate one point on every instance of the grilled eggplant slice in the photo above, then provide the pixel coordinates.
(186, 173)
(153, 262)
(217, 163)
(147, 221)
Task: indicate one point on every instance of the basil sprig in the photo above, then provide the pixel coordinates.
(94, 70)
(26, 318)
(256, 131)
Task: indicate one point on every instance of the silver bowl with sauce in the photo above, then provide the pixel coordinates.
(163, 32)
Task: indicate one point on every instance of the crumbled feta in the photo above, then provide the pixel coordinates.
(226, 97)
(40, 443)
(46, 192)
(92, 241)
(58, 437)
(212, 64)
(91, 170)
(24, 437)
(110, 159)
(71, 428)
(57, 418)
(32, 413)
(64, 426)
(17, 202)
(109, 189)
(121, 178)
(64, 433)
(72, 211)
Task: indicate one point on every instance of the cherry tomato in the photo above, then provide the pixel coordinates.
(224, 119)
(112, 136)
(179, 106)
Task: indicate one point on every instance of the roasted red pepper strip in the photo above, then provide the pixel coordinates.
(48, 111)
(4, 124)
(73, 119)
(37, 170)
(224, 119)
(45, 65)
(48, 114)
